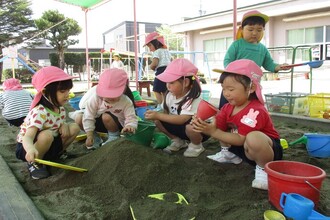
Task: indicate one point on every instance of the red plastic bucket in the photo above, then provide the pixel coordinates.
(293, 177)
(206, 110)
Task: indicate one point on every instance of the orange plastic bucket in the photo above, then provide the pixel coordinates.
(293, 177)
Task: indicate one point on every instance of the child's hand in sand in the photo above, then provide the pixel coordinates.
(31, 154)
(90, 139)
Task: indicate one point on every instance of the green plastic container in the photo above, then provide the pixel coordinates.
(144, 133)
(136, 96)
(160, 140)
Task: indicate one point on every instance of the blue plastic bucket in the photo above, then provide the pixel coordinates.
(318, 145)
(206, 95)
(74, 102)
(141, 110)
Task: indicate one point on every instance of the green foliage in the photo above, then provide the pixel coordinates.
(16, 23)
(174, 41)
(78, 60)
(58, 29)
(24, 75)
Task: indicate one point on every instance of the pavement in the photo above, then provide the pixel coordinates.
(16, 204)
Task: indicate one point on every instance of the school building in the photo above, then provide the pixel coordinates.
(298, 30)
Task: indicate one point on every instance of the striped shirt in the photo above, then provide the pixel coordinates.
(15, 104)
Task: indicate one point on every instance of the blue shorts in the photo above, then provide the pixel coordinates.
(54, 153)
(180, 130)
(277, 148)
(159, 86)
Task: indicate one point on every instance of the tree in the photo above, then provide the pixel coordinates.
(16, 23)
(173, 41)
(57, 30)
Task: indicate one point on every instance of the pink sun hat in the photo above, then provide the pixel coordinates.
(11, 84)
(112, 83)
(247, 68)
(45, 76)
(153, 36)
(177, 69)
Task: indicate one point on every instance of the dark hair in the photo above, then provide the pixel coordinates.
(156, 44)
(253, 20)
(194, 93)
(129, 94)
(51, 90)
(244, 80)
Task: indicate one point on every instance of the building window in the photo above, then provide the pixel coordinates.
(305, 36)
(216, 49)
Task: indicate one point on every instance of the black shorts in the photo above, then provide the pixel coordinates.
(54, 153)
(159, 86)
(180, 130)
(99, 125)
(16, 122)
(277, 148)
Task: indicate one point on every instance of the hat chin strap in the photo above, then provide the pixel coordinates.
(49, 100)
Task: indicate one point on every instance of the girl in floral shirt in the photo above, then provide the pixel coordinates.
(44, 133)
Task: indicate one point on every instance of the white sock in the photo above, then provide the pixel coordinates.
(116, 133)
(259, 167)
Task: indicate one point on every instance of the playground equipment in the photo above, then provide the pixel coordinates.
(11, 53)
(192, 53)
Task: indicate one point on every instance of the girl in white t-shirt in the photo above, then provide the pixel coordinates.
(161, 57)
(180, 105)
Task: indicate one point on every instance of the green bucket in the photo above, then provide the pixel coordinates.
(136, 95)
(143, 134)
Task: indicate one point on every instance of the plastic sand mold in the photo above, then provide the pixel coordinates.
(177, 200)
(59, 165)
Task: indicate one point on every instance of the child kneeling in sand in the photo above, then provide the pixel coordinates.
(44, 133)
(15, 102)
(108, 108)
(243, 126)
(179, 106)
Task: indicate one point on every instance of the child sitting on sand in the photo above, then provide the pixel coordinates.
(14, 102)
(107, 108)
(44, 133)
(243, 126)
(180, 105)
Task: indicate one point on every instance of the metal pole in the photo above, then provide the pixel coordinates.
(234, 18)
(87, 55)
(136, 48)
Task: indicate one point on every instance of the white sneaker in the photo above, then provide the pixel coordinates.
(260, 181)
(194, 150)
(177, 144)
(225, 156)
